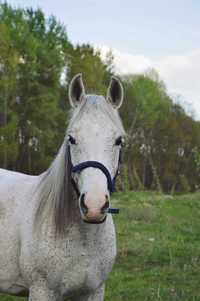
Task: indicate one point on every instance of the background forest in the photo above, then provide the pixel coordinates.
(37, 61)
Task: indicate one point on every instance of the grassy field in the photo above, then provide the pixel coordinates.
(158, 248)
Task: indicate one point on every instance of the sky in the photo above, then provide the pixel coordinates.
(159, 34)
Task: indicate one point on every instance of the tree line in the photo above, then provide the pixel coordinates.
(37, 61)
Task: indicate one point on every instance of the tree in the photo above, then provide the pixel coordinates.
(41, 48)
(161, 137)
(87, 61)
(8, 70)
(37, 62)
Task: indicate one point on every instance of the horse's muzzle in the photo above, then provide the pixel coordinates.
(110, 210)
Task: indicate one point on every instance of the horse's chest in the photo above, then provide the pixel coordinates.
(86, 268)
(82, 272)
(79, 263)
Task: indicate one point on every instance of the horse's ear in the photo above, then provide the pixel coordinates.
(76, 90)
(115, 93)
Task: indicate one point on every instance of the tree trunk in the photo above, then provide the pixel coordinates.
(137, 178)
(5, 163)
(155, 174)
(23, 162)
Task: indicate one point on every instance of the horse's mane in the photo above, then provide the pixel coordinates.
(55, 193)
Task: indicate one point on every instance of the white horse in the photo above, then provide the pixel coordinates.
(57, 239)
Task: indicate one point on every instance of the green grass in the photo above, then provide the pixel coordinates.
(158, 248)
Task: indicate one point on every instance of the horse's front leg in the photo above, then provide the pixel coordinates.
(98, 295)
(39, 291)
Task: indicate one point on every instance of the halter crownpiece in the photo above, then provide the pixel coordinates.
(110, 182)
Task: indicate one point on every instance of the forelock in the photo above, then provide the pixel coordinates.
(93, 104)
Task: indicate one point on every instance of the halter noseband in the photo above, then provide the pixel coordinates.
(95, 164)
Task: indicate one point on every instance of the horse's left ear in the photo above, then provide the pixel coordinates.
(115, 93)
(76, 90)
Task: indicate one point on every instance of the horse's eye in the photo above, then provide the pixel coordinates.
(72, 140)
(119, 141)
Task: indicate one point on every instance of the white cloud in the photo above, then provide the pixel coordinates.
(180, 73)
(126, 62)
(182, 76)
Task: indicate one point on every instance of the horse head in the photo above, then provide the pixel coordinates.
(95, 138)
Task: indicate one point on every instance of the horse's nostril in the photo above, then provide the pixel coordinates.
(83, 206)
(105, 207)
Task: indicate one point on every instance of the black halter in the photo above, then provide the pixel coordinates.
(95, 164)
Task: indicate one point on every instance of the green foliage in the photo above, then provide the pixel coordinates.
(37, 62)
(197, 158)
(162, 138)
(33, 55)
(184, 185)
(87, 61)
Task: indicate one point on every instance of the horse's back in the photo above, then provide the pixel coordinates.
(9, 175)
(14, 183)
(16, 189)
